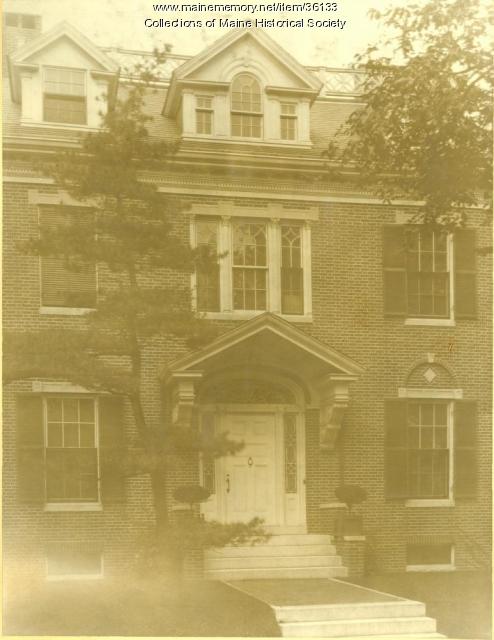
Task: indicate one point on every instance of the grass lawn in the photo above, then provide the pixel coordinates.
(143, 609)
(460, 601)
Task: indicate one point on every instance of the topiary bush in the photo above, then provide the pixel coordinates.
(191, 494)
(350, 494)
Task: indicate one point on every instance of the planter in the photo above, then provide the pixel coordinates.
(348, 524)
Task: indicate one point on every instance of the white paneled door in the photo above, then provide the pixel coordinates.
(262, 480)
(249, 476)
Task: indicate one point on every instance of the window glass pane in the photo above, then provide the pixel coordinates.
(86, 408)
(54, 409)
(55, 434)
(87, 435)
(71, 435)
(428, 279)
(71, 410)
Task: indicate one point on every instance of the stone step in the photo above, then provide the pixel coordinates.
(349, 611)
(260, 562)
(298, 539)
(362, 627)
(258, 550)
(276, 572)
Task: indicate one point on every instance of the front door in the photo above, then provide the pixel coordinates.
(250, 476)
(265, 479)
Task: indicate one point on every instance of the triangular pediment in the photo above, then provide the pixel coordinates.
(268, 339)
(62, 46)
(243, 50)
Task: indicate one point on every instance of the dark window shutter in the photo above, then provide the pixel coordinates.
(112, 447)
(60, 286)
(396, 454)
(465, 273)
(394, 274)
(30, 449)
(465, 449)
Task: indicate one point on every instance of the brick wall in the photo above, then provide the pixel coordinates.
(347, 294)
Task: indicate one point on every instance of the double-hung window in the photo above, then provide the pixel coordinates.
(64, 95)
(428, 437)
(263, 265)
(71, 450)
(204, 114)
(246, 107)
(429, 274)
(430, 449)
(64, 285)
(250, 266)
(288, 121)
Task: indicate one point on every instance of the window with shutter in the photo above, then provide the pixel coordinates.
(430, 450)
(62, 286)
(421, 278)
(71, 449)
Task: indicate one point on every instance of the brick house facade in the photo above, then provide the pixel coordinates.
(342, 358)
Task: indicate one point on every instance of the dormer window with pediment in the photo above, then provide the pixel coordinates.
(244, 89)
(61, 80)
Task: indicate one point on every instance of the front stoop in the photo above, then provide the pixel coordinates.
(283, 556)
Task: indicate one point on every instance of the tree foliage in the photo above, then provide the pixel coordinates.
(129, 230)
(425, 131)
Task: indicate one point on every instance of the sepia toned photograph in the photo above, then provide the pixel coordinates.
(247, 319)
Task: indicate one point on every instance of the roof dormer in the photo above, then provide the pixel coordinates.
(244, 88)
(59, 79)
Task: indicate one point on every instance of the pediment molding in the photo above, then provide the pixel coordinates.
(308, 82)
(24, 59)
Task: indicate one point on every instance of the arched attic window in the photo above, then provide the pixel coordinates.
(246, 107)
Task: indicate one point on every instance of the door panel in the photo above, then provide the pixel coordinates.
(251, 473)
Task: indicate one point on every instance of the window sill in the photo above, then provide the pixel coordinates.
(247, 315)
(64, 311)
(440, 502)
(98, 576)
(73, 506)
(57, 125)
(430, 567)
(430, 322)
(292, 144)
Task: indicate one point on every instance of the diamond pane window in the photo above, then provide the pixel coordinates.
(290, 447)
(208, 465)
(208, 274)
(292, 280)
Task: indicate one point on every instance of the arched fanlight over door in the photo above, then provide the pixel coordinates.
(246, 107)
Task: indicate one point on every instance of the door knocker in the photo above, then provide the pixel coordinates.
(250, 462)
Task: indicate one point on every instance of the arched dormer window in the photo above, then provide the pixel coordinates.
(246, 107)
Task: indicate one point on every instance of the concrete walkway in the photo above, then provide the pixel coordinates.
(336, 609)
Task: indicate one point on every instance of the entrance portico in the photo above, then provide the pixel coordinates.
(257, 382)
